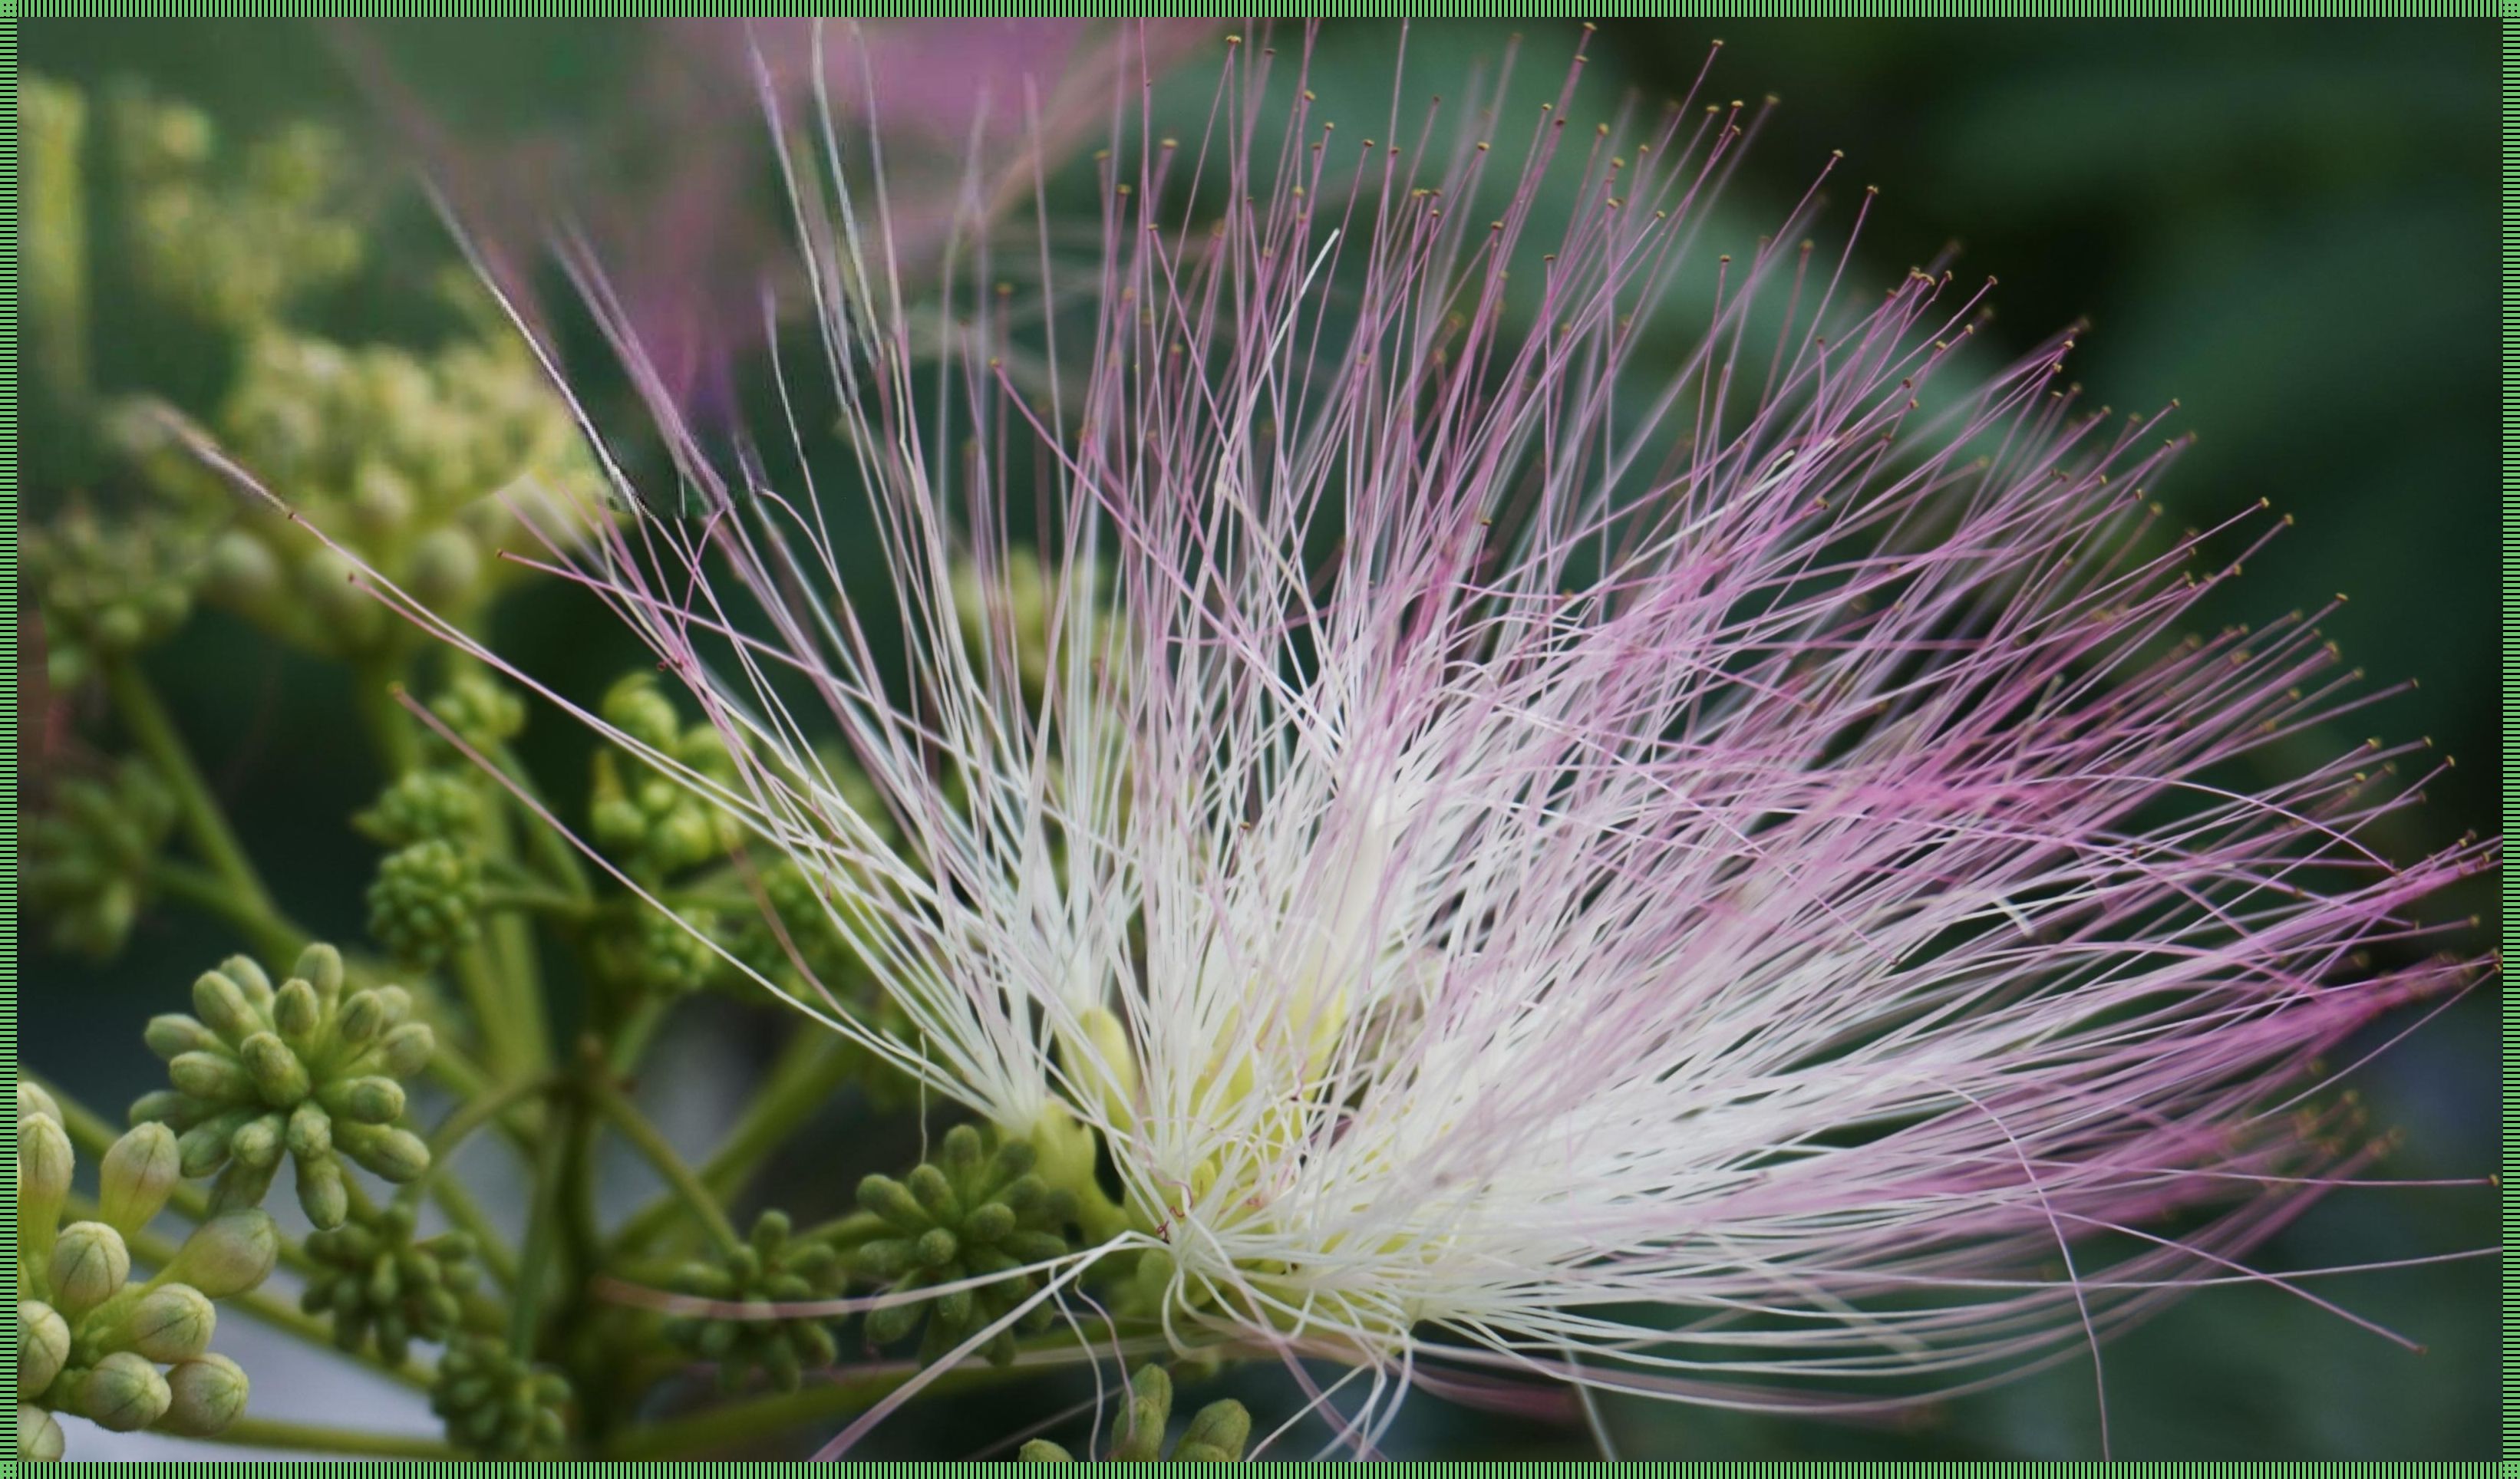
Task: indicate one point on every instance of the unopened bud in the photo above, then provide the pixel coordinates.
(174, 1033)
(212, 1076)
(44, 1162)
(209, 1393)
(296, 1013)
(397, 1155)
(406, 1050)
(138, 1175)
(43, 1345)
(172, 1323)
(322, 1190)
(320, 966)
(374, 1100)
(446, 565)
(33, 1100)
(310, 1132)
(277, 1071)
(124, 1393)
(363, 1016)
(90, 1262)
(229, 1254)
(221, 1005)
(241, 570)
(1043, 1451)
(39, 1437)
(1217, 1434)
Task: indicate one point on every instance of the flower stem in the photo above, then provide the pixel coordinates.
(543, 1231)
(813, 1064)
(271, 936)
(204, 821)
(310, 1438)
(643, 1137)
(773, 1413)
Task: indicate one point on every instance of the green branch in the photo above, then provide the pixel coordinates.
(204, 823)
(813, 1064)
(310, 1438)
(643, 1137)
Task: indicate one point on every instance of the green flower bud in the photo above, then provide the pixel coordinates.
(124, 1393)
(44, 1163)
(242, 571)
(1151, 1406)
(445, 567)
(173, 1035)
(276, 1070)
(297, 1014)
(1216, 1434)
(1042, 1451)
(220, 1003)
(39, 1437)
(43, 1347)
(320, 966)
(89, 1264)
(323, 1190)
(260, 1143)
(172, 1323)
(229, 1254)
(770, 1267)
(211, 1076)
(406, 1050)
(397, 1155)
(372, 1101)
(206, 1393)
(137, 1177)
(363, 1016)
(310, 1133)
(33, 1100)
(176, 1111)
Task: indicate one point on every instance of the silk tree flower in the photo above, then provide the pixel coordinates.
(1726, 875)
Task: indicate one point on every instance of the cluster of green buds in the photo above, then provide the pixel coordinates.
(412, 458)
(91, 1341)
(229, 242)
(1217, 1433)
(88, 856)
(773, 1267)
(108, 586)
(653, 824)
(303, 1070)
(499, 1405)
(641, 948)
(424, 805)
(425, 902)
(967, 1214)
(381, 1282)
(481, 711)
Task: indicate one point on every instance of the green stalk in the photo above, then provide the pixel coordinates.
(391, 731)
(644, 1137)
(272, 937)
(311, 1438)
(777, 1413)
(542, 1231)
(813, 1065)
(467, 1215)
(204, 824)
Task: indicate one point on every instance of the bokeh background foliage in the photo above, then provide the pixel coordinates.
(2286, 225)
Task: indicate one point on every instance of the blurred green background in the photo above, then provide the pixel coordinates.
(2287, 225)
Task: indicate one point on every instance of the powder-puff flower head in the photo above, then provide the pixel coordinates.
(1723, 874)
